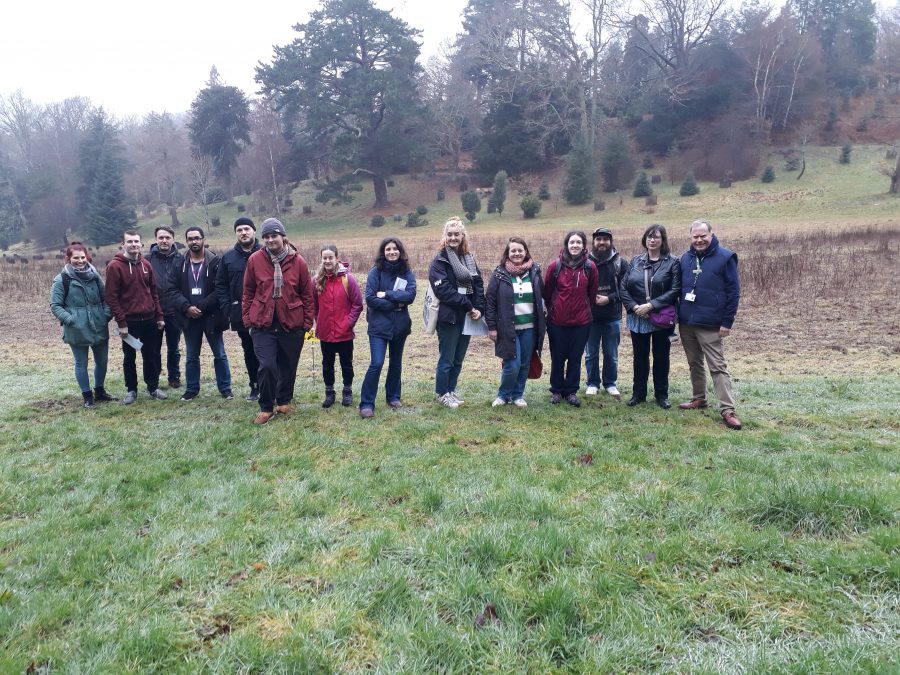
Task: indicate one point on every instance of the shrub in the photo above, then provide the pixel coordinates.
(689, 187)
(440, 195)
(390, 183)
(792, 163)
(471, 204)
(241, 208)
(215, 194)
(499, 195)
(768, 176)
(530, 206)
(377, 221)
(642, 186)
(544, 192)
(288, 202)
(845, 153)
(463, 186)
(215, 221)
(421, 210)
(307, 209)
(413, 219)
(599, 205)
(647, 162)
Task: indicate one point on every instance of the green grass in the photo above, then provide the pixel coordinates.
(178, 538)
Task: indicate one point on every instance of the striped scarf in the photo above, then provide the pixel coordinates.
(278, 276)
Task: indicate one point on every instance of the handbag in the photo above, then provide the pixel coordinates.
(535, 367)
(664, 317)
(430, 310)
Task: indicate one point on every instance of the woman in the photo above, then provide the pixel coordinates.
(390, 289)
(76, 299)
(660, 272)
(515, 318)
(570, 287)
(337, 303)
(457, 284)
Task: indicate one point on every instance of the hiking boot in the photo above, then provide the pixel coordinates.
(263, 416)
(130, 398)
(189, 395)
(366, 413)
(253, 395)
(227, 395)
(448, 400)
(663, 402)
(159, 395)
(174, 384)
(103, 396)
(284, 409)
(555, 398)
(694, 404)
(395, 405)
(572, 399)
(347, 397)
(731, 420)
(635, 400)
(329, 398)
(88, 399)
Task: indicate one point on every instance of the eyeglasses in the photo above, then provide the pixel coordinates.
(653, 236)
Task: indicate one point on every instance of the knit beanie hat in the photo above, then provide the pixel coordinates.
(243, 220)
(272, 226)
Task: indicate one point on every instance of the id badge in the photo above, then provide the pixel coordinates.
(690, 297)
(461, 290)
(196, 291)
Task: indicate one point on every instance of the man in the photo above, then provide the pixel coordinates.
(134, 301)
(165, 258)
(607, 316)
(710, 292)
(230, 288)
(277, 307)
(194, 297)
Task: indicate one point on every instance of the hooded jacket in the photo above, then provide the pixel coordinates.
(294, 308)
(163, 268)
(82, 311)
(131, 291)
(569, 295)
(230, 282)
(337, 308)
(500, 312)
(610, 273)
(717, 288)
(180, 293)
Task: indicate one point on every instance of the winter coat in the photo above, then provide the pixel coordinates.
(717, 290)
(500, 315)
(180, 286)
(131, 291)
(454, 305)
(230, 282)
(665, 282)
(570, 296)
(294, 308)
(388, 317)
(164, 269)
(337, 308)
(83, 312)
(610, 273)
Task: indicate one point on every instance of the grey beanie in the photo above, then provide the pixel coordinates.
(272, 226)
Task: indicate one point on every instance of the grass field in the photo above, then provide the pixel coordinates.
(172, 537)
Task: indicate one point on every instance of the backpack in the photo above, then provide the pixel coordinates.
(588, 264)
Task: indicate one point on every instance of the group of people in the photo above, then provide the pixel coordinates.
(265, 292)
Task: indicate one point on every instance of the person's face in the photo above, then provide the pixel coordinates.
(454, 237)
(516, 253)
(602, 244)
(274, 242)
(245, 234)
(329, 260)
(132, 244)
(654, 241)
(575, 246)
(164, 241)
(78, 260)
(701, 238)
(391, 252)
(194, 241)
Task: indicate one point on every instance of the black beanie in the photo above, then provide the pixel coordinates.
(244, 221)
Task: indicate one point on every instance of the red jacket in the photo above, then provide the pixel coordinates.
(570, 296)
(131, 290)
(295, 306)
(337, 308)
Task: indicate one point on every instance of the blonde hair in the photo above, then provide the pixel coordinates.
(454, 221)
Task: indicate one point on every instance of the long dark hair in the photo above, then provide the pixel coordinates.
(380, 260)
(661, 229)
(514, 240)
(566, 256)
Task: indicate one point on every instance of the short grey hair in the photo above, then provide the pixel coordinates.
(698, 223)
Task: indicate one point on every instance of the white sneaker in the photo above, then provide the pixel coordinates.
(498, 402)
(456, 397)
(612, 391)
(159, 395)
(448, 401)
(591, 391)
(520, 403)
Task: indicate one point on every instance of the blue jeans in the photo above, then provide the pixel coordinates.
(193, 341)
(515, 370)
(378, 346)
(101, 358)
(452, 346)
(607, 334)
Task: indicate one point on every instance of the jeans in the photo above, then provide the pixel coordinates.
(378, 346)
(515, 370)
(250, 360)
(452, 346)
(566, 349)
(101, 356)
(278, 352)
(193, 342)
(151, 337)
(604, 335)
(641, 344)
(344, 351)
(173, 353)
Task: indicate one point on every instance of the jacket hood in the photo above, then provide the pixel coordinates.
(123, 259)
(246, 254)
(612, 256)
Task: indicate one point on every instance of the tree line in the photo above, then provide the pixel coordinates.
(525, 84)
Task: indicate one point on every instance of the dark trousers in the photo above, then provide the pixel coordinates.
(250, 360)
(343, 350)
(151, 336)
(278, 353)
(566, 349)
(641, 344)
(173, 353)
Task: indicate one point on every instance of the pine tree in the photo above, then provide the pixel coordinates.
(689, 187)
(642, 186)
(471, 204)
(845, 153)
(499, 194)
(579, 185)
(768, 175)
(648, 161)
(616, 164)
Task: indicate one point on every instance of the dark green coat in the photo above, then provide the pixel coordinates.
(83, 313)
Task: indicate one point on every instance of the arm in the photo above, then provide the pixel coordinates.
(593, 285)
(113, 282)
(732, 292)
(157, 309)
(624, 294)
(549, 285)
(223, 289)
(174, 296)
(210, 304)
(356, 302)
(490, 310)
(57, 291)
(671, 295)
(248, 292)
(478, 300)
(614, 294)
(372, 299)
(407, 295)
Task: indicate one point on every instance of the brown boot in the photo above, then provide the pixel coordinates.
(263, 417)
(731, 420)
(285, 409)
(694, 404)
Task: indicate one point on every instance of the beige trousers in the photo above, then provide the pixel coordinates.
(704, 342)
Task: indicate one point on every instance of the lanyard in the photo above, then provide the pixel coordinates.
(697, 272)
(196, 271)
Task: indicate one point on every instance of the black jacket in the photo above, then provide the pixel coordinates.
(501, 317)
(230, 282)
(181, 284)
(611, 273)
(454, 306)
(163, 270)
(665, 282)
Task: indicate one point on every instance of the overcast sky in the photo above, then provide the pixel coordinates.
(133, 58)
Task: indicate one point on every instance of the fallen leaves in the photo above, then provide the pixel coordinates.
(488, 615)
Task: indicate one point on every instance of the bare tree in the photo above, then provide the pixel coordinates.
(201, 180)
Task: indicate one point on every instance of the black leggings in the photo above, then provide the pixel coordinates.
(641, 345)
(344, 350)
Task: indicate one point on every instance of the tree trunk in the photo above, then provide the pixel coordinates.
(173, 214)
(381, 194)
(895, 178)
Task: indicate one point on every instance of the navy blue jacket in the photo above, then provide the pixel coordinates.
(230, 282)
(454, 305)
(717, 287)
(388, 317)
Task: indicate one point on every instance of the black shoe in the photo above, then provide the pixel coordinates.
(189, 395)
(253, 395)
(174, 384)
(88, 399)
(227, 395)
(102, 396)
(329, 398)
(663, 403)
(634, 400)
(347, 396)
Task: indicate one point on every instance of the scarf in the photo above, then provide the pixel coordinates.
(85, 275)
(573, 263)
(394, 267)
(278, 276)
(518, 270)
(463, 269)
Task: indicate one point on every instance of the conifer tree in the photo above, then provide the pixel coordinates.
(642, 185)
(768, 175)
(689, 187)
(499, 194)
(579, 185)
